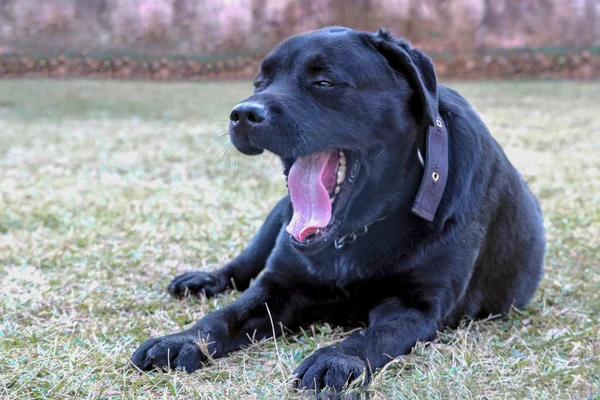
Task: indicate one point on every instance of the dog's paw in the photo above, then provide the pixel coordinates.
(179, 351)
(195, 283)
(328, 367)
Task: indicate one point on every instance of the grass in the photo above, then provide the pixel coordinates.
(109, 189)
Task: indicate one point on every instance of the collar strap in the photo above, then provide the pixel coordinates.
(351, 237)
(436, 172)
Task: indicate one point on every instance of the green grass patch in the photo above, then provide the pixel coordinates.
(109, 189)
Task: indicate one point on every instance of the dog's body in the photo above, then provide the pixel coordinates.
(406, 276)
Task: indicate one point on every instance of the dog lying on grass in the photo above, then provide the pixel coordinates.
(403, 216)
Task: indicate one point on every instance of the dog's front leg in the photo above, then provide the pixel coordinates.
(225, 330)
(239, 272)
(393, 330)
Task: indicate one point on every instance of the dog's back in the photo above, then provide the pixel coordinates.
(493, 201)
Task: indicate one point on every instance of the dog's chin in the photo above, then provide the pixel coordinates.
(341, 197)
(245, 146)
(317, 243)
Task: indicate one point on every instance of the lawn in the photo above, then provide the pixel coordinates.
(109, 189)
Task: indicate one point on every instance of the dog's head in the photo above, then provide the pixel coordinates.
(346, 112)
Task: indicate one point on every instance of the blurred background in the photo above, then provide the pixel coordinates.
(209, 39)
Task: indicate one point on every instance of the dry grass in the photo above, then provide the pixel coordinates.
(109, 189)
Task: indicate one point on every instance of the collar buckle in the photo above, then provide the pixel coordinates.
(351, 237)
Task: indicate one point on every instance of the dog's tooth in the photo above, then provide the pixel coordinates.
(332, 199)
(318, 231)
(342, 160)
(337, 190)
(342, 153)
(341, 174)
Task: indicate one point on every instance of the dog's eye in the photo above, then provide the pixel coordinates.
(259, 84)
(324, 83)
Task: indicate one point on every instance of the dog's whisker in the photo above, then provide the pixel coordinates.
(213, 141)
(314, 132)
(237, 167)
(223, 153)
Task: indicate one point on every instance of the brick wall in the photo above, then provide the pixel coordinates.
(583, 64)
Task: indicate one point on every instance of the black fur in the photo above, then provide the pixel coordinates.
(405, 279)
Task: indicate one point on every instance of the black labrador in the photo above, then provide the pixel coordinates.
(403, 216)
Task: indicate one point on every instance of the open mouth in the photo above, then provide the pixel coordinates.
(320, 185)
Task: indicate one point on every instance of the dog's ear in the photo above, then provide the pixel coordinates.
(416, 67)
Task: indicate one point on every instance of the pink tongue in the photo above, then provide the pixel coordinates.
(309, 180)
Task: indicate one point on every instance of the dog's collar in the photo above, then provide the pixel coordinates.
(435, 176)
(351, 237)
(432, 186)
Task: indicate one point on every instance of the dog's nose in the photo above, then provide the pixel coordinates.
(249, 113)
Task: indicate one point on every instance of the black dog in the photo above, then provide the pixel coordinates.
(404, 213)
